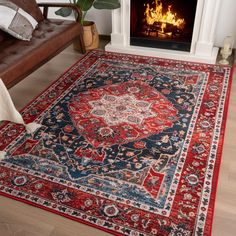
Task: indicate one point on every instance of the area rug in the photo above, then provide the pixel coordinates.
(128, 144)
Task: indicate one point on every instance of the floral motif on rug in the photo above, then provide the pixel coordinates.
(128, 144)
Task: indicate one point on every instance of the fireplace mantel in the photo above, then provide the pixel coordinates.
(202, 45)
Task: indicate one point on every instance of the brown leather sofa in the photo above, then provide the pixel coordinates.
(20, 58)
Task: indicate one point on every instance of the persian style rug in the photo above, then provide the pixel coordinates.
(128, 144)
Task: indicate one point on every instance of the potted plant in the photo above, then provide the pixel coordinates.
(91, 38)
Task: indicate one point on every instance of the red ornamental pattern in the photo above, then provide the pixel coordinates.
(188, 147)
(121, 113)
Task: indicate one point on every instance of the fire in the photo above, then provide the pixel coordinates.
(155, 15)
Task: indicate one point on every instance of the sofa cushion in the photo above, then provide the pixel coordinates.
(2, 36)
(31, 7)
(16, 21)
(18, 58)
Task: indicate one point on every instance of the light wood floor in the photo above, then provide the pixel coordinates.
(19, 219)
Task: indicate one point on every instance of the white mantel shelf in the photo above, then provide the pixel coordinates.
(202, 45)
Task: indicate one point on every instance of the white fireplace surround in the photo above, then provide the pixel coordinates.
(202, 45)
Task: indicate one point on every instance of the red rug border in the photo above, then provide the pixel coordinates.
(215, 181)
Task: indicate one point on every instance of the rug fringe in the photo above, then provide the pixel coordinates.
(32, 127)
(2, 155)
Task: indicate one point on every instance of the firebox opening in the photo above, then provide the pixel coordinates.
(166, 24)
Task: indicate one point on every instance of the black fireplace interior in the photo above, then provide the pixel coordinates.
(166, 24)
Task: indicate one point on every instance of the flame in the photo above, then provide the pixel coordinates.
(156, 14)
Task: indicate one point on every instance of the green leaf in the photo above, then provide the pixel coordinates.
(84, 5)
(106, 4)
(64, 11)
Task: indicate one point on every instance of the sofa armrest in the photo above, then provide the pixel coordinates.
(46, 5)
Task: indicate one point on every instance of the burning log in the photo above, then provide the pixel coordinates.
(156, 30)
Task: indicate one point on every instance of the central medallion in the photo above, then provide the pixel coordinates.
(122, 109)
(121, 113)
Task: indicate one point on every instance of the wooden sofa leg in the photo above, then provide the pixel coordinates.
(82, 46)
(78, 44)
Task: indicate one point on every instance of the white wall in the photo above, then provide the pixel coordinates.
(102, 19)
(226, 24)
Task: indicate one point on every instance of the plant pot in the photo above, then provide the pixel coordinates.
(90, 36)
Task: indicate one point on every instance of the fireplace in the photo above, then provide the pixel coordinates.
(164, 24)
(193, 41)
